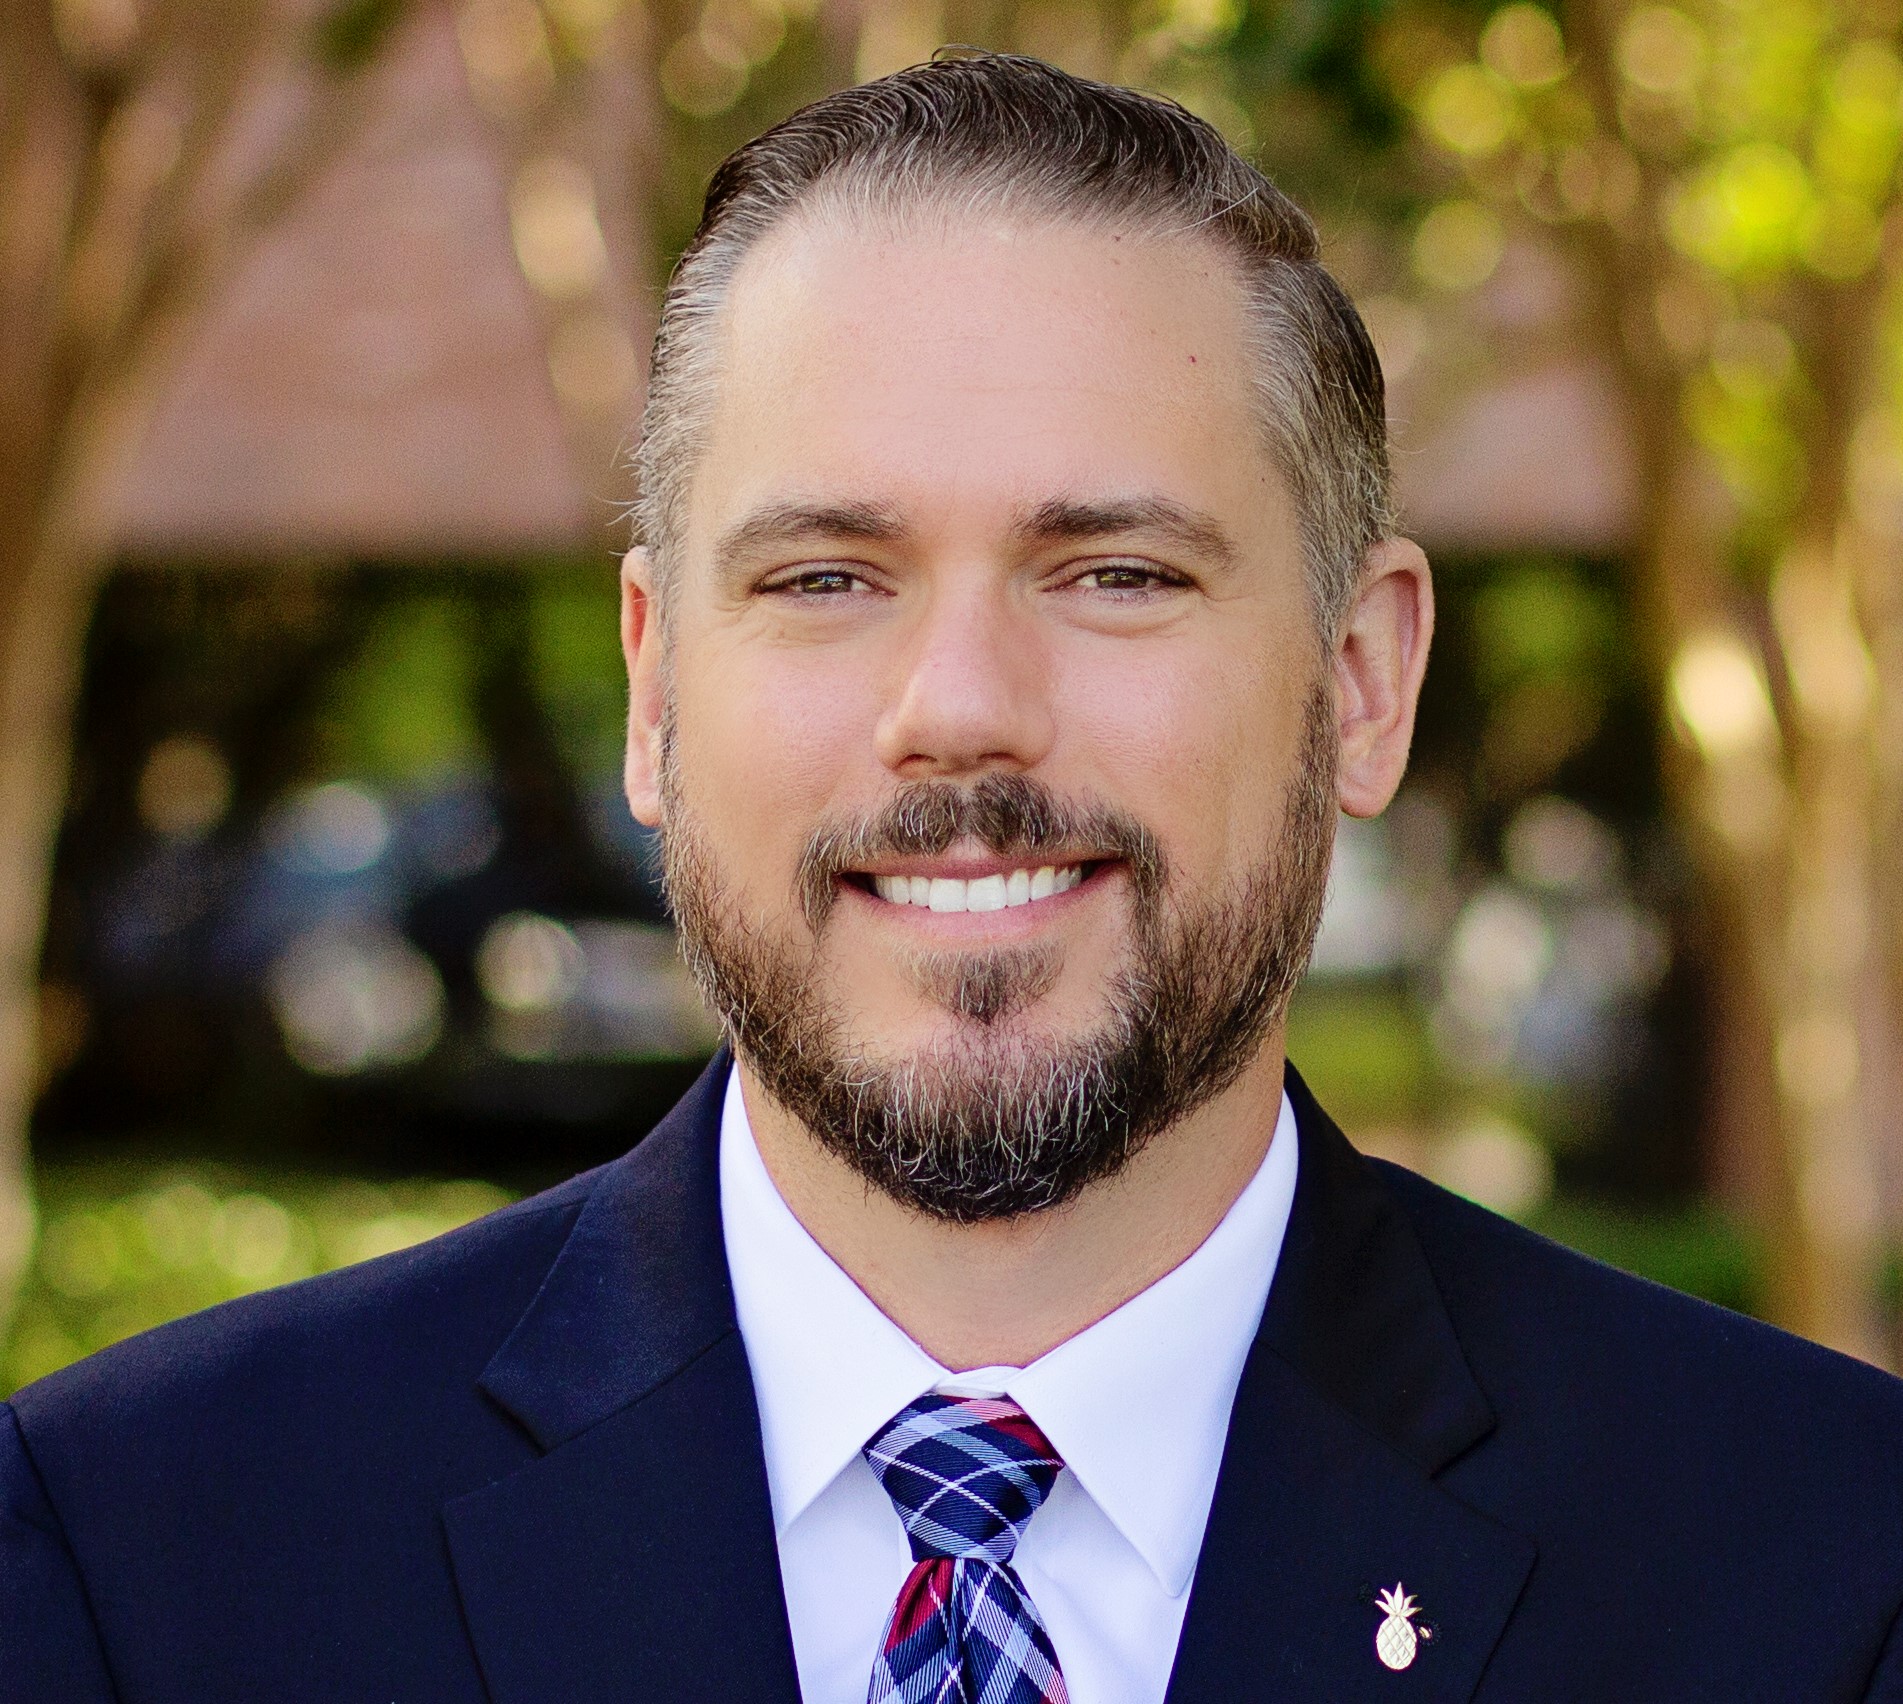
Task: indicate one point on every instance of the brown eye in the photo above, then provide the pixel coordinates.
(1127, 577)
(818, 583)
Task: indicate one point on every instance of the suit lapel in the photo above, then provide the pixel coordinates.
(635, 1558)
(1354, 1397)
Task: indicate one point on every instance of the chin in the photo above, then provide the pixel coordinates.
(955, 1039)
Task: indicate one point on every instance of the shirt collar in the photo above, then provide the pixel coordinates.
(1136, 1404)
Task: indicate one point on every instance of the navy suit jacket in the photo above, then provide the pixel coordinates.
(522, 1463)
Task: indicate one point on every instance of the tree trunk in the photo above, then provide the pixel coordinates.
(1777, 796)
(40, 645)
(47, 137)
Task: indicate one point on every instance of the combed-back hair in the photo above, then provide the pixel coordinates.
(997, 133)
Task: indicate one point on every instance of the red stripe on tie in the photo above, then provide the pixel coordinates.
(1020, 1426)
(926, 1591)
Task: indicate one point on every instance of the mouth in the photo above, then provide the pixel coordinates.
(996, 889)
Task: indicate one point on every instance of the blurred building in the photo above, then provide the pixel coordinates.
(379, 378)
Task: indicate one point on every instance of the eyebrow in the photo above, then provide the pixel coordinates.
(788, 523)
(1065, 518)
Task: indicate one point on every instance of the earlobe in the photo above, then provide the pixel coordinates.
(1380, 661)
(641, 650)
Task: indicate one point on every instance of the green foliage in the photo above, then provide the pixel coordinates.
(1536, 653)
(1321, 50)
(1540, 618)
(1695, 1249)
(128, 1247)
(404, 709)
(1759, 138)
(124, 1247)
(575, 656)
(721, 86)
(1366, 1054)
(348, 35)
(1292, 79)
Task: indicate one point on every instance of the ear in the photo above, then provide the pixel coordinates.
(1380, 660)
(641, 649)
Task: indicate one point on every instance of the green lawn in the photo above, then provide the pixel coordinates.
(124, 1247)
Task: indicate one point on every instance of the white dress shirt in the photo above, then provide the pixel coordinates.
(1137, 1405)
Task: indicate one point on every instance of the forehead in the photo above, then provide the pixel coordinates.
(982, 362)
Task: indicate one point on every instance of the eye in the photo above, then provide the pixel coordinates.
(828, 582)
(1128, 579)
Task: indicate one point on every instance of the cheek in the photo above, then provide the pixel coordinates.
(1195, 746)
(763, 751)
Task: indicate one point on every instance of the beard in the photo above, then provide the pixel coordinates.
(998, 1119)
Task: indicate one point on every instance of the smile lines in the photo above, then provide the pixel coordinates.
(985, 893)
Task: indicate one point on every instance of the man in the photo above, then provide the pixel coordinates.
(1001, 1320)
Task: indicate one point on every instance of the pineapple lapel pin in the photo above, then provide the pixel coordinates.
(1396, 1640)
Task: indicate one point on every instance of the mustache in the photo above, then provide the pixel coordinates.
(1009, 815)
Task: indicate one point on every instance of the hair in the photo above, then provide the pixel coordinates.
(983, 132)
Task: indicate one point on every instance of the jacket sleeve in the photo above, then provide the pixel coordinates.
(49, 1646)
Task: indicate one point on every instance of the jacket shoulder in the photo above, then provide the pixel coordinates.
(1532, 1314)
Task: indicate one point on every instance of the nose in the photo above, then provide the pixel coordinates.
(972, 691)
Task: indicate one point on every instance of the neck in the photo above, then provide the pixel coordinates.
(1005, 1292)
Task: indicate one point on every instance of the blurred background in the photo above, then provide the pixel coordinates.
(322, 925)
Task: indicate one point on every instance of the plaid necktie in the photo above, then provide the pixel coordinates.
(966, 1474)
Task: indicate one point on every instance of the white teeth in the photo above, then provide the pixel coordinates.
(985, 893)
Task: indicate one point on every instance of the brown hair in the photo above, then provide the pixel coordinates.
(1000, 132)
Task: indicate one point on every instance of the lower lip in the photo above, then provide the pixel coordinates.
(957, 925)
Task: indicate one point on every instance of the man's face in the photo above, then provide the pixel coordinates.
(983, 513)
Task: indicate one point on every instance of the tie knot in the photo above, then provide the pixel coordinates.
(966, 1474)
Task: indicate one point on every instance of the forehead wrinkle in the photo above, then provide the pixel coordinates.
(1061, 519)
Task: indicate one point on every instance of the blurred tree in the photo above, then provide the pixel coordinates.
(141, 146)
(144, 146)
(1288, 81)
(565, 85)
(1722, 177)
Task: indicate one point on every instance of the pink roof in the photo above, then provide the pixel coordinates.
(1539, 457)
(372, 379)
